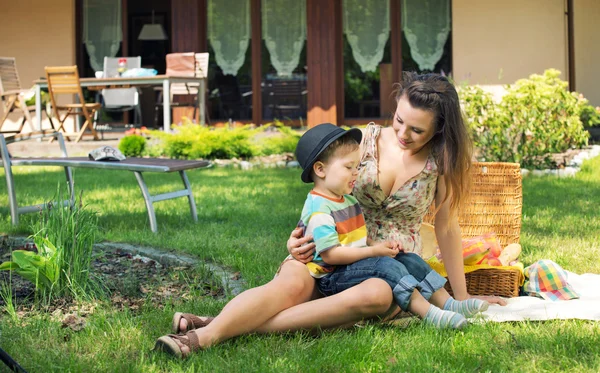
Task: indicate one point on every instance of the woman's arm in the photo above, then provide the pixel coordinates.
(447, 232)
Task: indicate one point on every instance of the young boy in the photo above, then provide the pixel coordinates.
(329, 157)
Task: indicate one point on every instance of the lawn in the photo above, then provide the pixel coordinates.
(244, 220)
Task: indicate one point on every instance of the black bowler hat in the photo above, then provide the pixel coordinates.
(315, 141)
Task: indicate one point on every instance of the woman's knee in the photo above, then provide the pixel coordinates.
(375, 297)
(294, 282)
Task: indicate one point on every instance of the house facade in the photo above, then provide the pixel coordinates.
(313, 61)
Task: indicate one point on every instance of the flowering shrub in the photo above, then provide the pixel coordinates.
(537, 117)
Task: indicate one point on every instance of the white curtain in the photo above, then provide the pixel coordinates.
(229, 32)
(284, 32)
(426, 24)
(367, 28)
(102, 34)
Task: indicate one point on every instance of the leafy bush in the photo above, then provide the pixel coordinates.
(537, 117)
(590, 116)
(194, 142)
(132, 145)
(276, 138)
(64, 237)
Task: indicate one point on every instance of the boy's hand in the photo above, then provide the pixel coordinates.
(386, 248)
(398, 246)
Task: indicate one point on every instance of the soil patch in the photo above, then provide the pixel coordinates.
(129, 280)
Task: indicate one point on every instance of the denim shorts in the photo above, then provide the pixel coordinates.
(404, 273)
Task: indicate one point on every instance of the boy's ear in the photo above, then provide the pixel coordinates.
(319, 169)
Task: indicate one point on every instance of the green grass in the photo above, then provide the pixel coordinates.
(244, 220)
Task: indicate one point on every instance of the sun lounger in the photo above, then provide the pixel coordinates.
(136, 165)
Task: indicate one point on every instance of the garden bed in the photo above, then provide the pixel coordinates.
(127, 280)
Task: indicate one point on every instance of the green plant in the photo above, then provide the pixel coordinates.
(193, 142)
(64, 237)
(132, 145)
(72, 229)
(590, 116)
(40, 268)
(7, 296)
(538, 116)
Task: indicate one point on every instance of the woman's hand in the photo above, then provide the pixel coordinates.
(490, 299)
(301, 248)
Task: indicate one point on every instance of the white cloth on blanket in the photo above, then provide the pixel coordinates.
(587, 307)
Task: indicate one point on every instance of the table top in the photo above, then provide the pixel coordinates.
(155, 79)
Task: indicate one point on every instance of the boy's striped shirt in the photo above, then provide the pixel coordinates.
(332, 223)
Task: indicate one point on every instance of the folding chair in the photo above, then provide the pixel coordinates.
(65, 80)
(12, 96)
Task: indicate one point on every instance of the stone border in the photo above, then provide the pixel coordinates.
(231, 283)
(573, 166)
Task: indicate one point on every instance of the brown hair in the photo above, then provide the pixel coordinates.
(451, 143)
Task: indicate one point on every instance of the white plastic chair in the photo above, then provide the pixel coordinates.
(121, 99)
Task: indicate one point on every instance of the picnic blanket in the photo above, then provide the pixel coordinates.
(587, 307)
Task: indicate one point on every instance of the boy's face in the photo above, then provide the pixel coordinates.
(340, 172)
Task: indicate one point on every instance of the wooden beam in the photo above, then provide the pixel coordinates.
(202, 22)
(324, 61)
(571, 45)
(339, 66)
(124, 29)
(256, 27)
(79, 55)
(396, 31)
(185, 28)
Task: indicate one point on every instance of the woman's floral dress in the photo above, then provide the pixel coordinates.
(398, 216)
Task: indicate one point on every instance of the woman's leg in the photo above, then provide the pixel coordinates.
(250, 309)
(369, 299)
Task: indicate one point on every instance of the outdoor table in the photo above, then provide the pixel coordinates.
(120, 82)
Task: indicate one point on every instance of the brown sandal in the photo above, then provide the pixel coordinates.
(193, 322)
(167, 344)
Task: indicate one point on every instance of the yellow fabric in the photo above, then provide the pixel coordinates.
(439, 268)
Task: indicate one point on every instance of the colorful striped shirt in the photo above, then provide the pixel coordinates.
(332, 222)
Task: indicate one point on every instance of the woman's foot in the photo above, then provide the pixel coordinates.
(444, 319)
(183, 322)
(180, 345)
(467, 308)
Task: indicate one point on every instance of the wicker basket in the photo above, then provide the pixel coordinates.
(494, 205)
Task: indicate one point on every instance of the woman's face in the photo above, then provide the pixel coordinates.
(414, 128)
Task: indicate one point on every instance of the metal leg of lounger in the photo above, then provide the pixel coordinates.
(188, 187)
(147, 199)
(68, 171)
(10, 183)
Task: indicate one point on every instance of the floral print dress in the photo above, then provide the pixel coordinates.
(399, 216)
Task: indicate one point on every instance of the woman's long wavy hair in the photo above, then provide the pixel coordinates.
(451, 143)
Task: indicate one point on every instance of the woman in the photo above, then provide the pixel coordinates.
(425, 155)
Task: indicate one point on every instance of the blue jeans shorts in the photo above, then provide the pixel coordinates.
(404, 273)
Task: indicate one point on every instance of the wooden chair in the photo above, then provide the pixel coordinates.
(12, 96)
(185, 64)
(65, 80)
